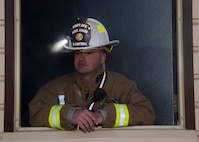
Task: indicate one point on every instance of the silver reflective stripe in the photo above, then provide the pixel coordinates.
(122, 115)
(54, 116)
(61, 99)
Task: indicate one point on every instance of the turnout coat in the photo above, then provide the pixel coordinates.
(124, 105)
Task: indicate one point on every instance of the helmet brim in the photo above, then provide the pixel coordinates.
(112, 43)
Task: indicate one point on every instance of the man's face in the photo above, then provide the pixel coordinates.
(89, 62)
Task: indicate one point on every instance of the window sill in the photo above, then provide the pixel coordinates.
(105, 135)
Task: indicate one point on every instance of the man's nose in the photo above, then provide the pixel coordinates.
(81, 56)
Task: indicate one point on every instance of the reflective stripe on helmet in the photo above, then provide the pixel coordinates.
(111, 48)
(122, 115)
(54, 117)
(89, 25)
(100, 28)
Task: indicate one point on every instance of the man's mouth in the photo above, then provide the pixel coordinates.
(81, 64)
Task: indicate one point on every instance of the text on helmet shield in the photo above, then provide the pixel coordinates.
(80, 25)
(80, 34)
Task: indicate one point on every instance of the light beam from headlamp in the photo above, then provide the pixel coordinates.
(61, 45)
(58, 46)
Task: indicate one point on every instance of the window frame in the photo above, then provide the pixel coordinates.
(186, 75)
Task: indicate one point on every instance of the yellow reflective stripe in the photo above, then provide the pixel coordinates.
(100, 28)
(111, 48)
(122, 115)
(117, 119)
(54, 117)
(89, 25)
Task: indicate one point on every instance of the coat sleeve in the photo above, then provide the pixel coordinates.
(41, 106)
(133, 108)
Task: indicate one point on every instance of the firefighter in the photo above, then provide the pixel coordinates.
(91, 96)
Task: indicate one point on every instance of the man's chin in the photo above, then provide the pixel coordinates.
(82, 72)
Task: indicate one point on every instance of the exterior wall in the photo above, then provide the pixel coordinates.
(105, 135)
(2, 65)
(196, 59)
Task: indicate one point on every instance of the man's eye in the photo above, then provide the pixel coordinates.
(89, 52)
(77, 53)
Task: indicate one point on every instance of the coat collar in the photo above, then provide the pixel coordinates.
(93, 82)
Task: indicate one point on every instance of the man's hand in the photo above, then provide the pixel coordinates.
(87, 120)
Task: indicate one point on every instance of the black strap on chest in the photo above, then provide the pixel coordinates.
(99, 93)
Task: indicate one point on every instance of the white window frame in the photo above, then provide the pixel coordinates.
(180, 126)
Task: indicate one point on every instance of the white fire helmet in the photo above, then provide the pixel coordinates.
(89, 34)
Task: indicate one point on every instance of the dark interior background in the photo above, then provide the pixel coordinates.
(146, 53)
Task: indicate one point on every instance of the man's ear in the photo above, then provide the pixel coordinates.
(103, 58)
